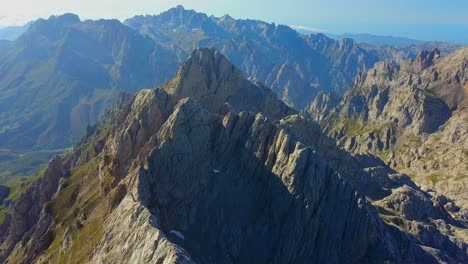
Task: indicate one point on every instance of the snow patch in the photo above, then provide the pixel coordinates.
(177, 233)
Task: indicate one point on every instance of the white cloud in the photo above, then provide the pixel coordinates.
(307, 28)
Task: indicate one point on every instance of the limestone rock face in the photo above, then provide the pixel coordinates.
(213, 177)
(424, 60)
(388, 94)
(191, 173)
(208, 77)
(322, 106)
(413, 116)
(132, 236)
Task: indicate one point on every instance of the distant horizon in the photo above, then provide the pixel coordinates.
(445, 32)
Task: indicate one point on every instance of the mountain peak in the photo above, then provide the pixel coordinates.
(210, 62)
(429, 55)
(180, 12)
(65, 19)
(52, 25)
(213, 81)
(426, 59)
(204, 73)
(206, 57)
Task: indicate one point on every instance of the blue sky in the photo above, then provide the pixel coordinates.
(420, 19)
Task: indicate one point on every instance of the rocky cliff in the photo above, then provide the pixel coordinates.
(413, 116)
(210, 167)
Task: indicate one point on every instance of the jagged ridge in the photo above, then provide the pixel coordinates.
(179, 180)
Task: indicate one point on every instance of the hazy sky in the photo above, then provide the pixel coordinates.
(421, 19)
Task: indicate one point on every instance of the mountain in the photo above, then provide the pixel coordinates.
(83, 66)
(295, 66)
(376, 40)
(50, 91)
(213, 168)
(443, 47)
(397, 49)
(413, 116)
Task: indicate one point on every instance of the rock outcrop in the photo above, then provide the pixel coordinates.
(28, 222)
(413, 116)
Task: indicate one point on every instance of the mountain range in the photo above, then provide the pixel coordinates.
(202, 139)
(50, 92)
(46, 101)
(211, 167)
(375, 40)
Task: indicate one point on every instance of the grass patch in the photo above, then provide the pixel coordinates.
(80, 209)
(354, 126)
(14, 165)
(19, 185)
(434, 177)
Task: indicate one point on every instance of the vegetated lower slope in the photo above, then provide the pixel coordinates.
(57, 78)
(213, 168)
(16, 165)
(413, 116)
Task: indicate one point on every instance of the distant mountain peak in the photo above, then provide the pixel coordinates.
(201, 55)
(227, 17)
(65, 19)
(52, 25)
(347, 43)
(429, 56)
(181, 11)
(426, 59)
(180, 7)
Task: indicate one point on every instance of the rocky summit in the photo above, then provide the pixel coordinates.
(211, 167)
